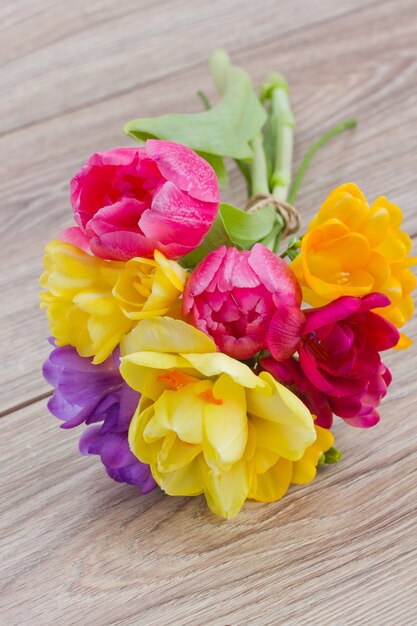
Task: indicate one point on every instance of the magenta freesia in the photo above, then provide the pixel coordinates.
(233, 296)
(338, 349)
(130, 201)
(290, 374)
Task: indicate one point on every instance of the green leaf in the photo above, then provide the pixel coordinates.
(224, 130)
(215, 238)
(246, 229)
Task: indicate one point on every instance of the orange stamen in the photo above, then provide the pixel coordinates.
(176, 379)
(208, 396)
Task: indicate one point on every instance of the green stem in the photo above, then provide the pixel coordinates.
(259, 170)
(219, 62)
(284, 120)
(204, 99)
(336, 130)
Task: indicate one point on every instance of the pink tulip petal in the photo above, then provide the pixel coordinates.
(75, 236)
(202, 276)
(183, 167)
(277, 277)
(121, 216)
(122, 246)
(116, 188)
(176, 217)
(236, 272)
(284, 332)
(241, 348)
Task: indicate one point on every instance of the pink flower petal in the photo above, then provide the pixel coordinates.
(380, 333)
(202, 276)
(123, 215)
(236, 272)
(332, 386)
(183, 167)
(275, 274)
(363, 421)
(374, 301)
(284, 332)
(330, 313)
(75, 236)
(122, 246)
(176, 217)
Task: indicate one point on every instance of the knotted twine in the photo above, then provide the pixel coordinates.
(289, 214)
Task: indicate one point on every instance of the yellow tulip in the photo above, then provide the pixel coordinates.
(353, 249)
(92, 303)
(207, 424)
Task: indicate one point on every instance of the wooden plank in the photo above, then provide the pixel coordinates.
(371, 77)
(340, 550)
(64, 55)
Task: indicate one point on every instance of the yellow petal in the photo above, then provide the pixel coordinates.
(185, 481)
(227, 491)
(346, 203)
(174, 272)
(305, 469)
(164, 334)
(175, 454)
(282, 422)
(144, 451)
(225, 425)
(404, 342)
(141, 371)
(181, 412)
(219, 363)
(272, 484)
(263, 458)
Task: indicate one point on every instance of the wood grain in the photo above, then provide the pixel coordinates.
(77, 548)
(340, 550)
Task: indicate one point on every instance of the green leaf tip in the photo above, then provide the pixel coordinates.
(274, 81)
(225, 130)
(312, 151)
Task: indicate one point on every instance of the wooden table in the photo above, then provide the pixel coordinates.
(77, 548)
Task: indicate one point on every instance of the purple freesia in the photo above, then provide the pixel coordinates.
(97, 394)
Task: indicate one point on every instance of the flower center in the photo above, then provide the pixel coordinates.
(176, 379)
(208, 397)
(317, 348)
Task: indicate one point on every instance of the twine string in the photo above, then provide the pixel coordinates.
(290, 215)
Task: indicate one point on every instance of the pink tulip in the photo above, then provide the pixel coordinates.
(130, 201)
(338, 349)
(233, 297)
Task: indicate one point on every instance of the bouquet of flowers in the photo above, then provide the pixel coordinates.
(179, 333)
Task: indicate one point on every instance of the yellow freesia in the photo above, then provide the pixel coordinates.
(92, 303)
(353, 249)
(207, 424)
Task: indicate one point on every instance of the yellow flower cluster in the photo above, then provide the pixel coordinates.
(207, 424)
(92, 303)
(353, 249)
